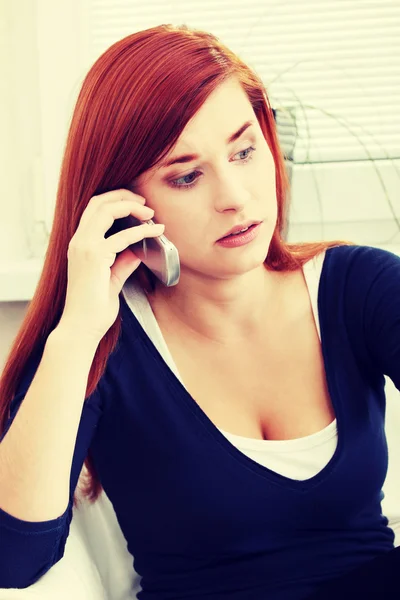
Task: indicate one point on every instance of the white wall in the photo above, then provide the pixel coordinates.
(20, 144)
(22, 234)
(19, 141)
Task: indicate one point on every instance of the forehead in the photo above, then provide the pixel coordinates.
(224, 111)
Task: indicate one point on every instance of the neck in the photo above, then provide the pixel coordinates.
(220, 310)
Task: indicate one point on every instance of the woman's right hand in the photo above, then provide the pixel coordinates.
(95, 275)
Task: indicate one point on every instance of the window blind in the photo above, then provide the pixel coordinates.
(332, 67)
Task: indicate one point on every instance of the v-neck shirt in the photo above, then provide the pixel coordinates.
(299, 458)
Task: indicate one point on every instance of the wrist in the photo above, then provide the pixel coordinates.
(69, 335)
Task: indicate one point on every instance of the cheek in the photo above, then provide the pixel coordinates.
(268, 178)
(189, 233)
(180, 225)
(178, 214)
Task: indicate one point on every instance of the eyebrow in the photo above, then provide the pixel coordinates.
(185, 158)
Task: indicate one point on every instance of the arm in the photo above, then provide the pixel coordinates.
(41, 455)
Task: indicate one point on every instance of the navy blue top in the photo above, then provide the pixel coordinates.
(202, 519)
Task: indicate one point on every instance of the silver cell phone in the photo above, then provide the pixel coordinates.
(157, 253)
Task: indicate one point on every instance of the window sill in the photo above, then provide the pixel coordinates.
(18, 280)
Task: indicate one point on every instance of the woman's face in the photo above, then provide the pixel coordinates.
(200, 199)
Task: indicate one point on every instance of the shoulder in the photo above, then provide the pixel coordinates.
(359, 305)
(357, 279)
(361, 257)
(359, 268)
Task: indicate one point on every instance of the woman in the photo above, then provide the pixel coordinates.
(207, 411)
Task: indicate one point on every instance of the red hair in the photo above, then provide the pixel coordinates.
(133, 105)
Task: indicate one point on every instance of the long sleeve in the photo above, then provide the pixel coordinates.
(29, 549)
(381, 316)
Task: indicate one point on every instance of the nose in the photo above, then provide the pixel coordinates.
(230, 194)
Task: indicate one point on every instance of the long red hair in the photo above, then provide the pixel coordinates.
(133, 105)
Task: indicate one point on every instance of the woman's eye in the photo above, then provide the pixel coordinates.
(183, 183)
(186, 184)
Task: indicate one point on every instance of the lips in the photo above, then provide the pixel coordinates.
(242, 227)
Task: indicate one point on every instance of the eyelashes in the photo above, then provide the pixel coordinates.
(185, 186)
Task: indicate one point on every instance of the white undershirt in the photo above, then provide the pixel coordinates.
(300, 458)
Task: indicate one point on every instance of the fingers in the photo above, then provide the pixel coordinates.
(122, 268)
(102, 211)
(121, 240)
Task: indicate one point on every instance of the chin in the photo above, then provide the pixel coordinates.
(232, 262)
(239, 265)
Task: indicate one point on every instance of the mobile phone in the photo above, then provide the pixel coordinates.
(157, 253)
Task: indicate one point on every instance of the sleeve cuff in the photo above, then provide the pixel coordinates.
(31, 527)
